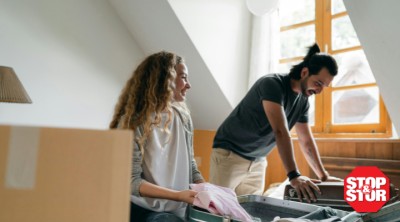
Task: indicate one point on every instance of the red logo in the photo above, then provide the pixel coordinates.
(366, 189)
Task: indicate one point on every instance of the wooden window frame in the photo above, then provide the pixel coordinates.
(323, 126)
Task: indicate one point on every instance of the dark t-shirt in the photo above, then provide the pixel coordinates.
(247, 131)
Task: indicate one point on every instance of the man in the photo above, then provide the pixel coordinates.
(263, 119)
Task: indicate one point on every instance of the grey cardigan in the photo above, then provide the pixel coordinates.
(137, 180)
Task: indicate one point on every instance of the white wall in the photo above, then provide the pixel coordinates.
(155, 26)
(376, 24)
(221, 32)
(73, 57)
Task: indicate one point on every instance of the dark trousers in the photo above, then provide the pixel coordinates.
(140, 214)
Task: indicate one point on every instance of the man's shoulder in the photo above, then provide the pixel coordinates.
(272, 79)
(274, 76)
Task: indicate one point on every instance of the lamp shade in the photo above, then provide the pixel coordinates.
(11, 89)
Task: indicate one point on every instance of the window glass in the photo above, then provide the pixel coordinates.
(359, 106)
(285, 67)
(343, 34)
(353, 69)
(295, 42)
(311, 110)
(296, 11)
(337, 6)
(353, 97)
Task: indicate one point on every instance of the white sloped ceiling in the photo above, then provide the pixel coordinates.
(376, 24)
(155, 27)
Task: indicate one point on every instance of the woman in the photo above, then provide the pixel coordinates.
(153, 105)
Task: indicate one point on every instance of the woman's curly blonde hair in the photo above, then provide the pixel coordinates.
(147, 94)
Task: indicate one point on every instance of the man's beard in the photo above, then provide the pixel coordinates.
(303, 85)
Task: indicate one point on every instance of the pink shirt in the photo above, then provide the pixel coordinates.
(219, 200)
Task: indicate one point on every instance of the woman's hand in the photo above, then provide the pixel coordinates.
(187, 196)
(199, 181)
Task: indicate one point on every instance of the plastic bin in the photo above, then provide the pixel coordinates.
(266, 209)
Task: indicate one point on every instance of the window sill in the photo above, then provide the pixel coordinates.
(351, 137)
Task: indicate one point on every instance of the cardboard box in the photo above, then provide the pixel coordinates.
(51, 174)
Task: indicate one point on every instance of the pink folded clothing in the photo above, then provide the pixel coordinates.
(219, 200)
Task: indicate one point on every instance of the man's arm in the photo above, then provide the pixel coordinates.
(276, 117)
(310, 151)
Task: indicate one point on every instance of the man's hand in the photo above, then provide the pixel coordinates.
(328, 178)
(305, 188)
(333, 179)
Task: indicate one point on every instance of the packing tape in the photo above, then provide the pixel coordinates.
(22, 157)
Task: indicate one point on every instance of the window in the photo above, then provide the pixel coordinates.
(351, 105)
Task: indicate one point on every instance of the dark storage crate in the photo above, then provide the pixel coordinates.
(264, 208)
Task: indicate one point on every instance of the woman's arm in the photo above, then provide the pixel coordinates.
(136, 178)
(196, 175)
(151, 190)
(142, 188)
